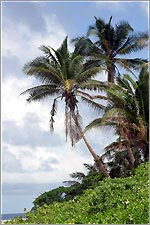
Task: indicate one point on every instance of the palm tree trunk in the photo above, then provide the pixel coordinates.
(95, 156)
(132, 159)
(111, 74)
(146, 152)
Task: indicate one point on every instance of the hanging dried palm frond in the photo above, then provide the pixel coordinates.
(53, 113)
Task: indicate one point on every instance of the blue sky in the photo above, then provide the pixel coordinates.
(30, 154)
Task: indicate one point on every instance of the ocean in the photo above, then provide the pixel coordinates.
(10, 216)
(16, 197)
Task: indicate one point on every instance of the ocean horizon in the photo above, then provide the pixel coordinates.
(10, 216)
(16, 197)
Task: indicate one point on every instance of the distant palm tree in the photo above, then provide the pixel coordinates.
(112, 43)
(62, 74)
(80, 177)
(127, 111)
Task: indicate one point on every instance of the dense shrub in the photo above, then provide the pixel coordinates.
(113, 201)
(62, 194)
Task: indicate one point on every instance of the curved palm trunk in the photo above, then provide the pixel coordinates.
(95, 156)
(124, 133)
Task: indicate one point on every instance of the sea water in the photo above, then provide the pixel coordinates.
(11, 216)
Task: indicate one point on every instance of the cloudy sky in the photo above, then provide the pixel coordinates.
(31, 155)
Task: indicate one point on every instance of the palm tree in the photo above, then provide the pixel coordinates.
(118, 162)
(90, 179)
(127, 111)
(142, 95)
(111, 44)
(62, 74)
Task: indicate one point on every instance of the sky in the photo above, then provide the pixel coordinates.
(32, 157)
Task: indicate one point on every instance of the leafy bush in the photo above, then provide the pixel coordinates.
(49, 197)
(62, 194)
(113, 201)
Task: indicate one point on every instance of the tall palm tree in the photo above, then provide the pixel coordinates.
(62, 74)
(127, 111)
(111, 45)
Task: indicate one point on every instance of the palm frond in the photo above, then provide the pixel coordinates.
(100, 23)
(42, 70)
(86, 74)
(88, 166)
(70, 182)
(112, 113)
(102, 125)
(39, 88)
(142, 39)
(82, 45)
(95, 29)
(66, 122)
(100, 97)
(40, 92)
(134, 43)
(117, 145)
(135, 63)
(116, 94)
(92, 84)
(42, 95)
(142, 93)
(53, 113)
(95, 106)
(62, 53)
(45, 49)
(73, 124)
(84, 94)
(91, 97)
(124, 84)
(133, 83)
(122, 31)
(99, 123)
(92, 31)
(95, 60)
(123, 65)
(77, 175)
(75, 66)
(94, 124)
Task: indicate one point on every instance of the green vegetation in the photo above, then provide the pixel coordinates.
(113, 201)
(76, 188)
(115, 190)
(127, 113)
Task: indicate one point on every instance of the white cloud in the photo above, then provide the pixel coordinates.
(31, 160)
(31, 157)
(19, 40)
(23, 43)
(14, 106)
